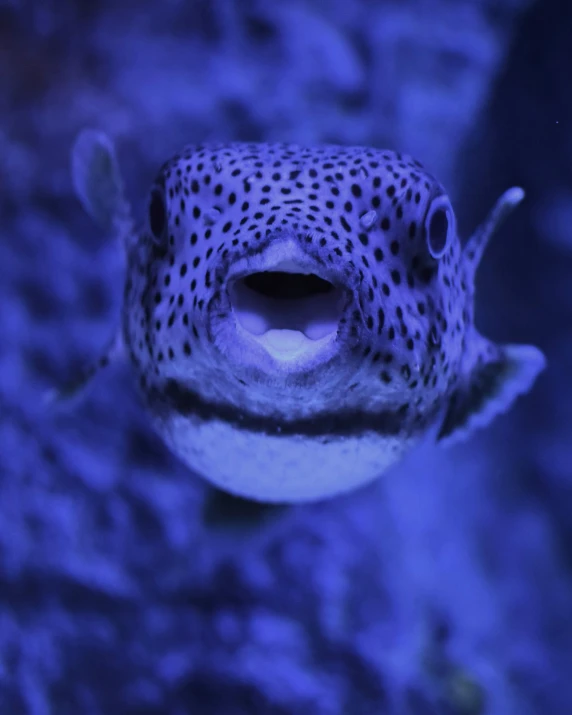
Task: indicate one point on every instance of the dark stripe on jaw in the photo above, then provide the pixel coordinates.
(179, 399)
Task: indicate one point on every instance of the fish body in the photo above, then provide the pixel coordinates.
(299, 318)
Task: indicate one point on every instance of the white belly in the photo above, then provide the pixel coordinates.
(280, 468)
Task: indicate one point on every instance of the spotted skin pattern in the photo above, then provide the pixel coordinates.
(406, 359)
(409, 316)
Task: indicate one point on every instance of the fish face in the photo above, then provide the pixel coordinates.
(275, 273)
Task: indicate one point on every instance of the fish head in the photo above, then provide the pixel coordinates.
(296, 280)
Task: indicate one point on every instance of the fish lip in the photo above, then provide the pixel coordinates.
(288, 256)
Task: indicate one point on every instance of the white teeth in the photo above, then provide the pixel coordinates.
(284, 340)
(318, 330)
(315, 331)
(253, 322)
(287, 328)
(288, 345)
(258, 324)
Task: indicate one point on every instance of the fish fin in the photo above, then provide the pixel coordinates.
(98, 183)
(476, 245)
(499, 375)
(73, 387)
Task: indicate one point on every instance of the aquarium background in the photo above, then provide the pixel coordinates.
(127, 585)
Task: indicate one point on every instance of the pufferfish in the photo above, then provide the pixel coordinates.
(299, 318)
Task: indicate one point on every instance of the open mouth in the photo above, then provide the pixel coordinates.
(287, 312)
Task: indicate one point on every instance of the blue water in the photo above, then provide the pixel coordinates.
(127, 585)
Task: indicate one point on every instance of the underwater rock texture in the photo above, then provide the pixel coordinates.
(127, 585)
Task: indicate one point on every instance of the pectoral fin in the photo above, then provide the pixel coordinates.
(98, 183)
(78, 383)
(499, 374)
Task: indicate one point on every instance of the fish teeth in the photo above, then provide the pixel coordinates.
(286, 345)
(255, 323)
(285, 339)
(318, 330)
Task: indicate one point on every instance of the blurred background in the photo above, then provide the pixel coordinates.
(127, 585)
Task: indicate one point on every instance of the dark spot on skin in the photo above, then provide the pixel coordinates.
(320, 196)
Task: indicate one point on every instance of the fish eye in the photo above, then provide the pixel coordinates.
(157, 214)
(439, 226)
